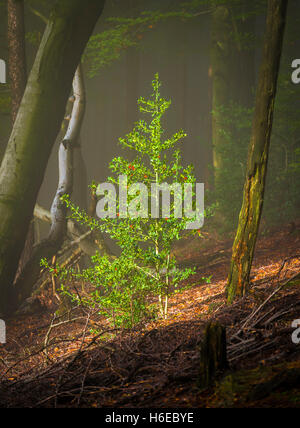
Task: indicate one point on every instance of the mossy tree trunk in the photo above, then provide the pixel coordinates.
(37, 126)
(16, 53)
(250, 215)
(18, 79)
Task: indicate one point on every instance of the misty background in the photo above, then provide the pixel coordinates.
(179, 50)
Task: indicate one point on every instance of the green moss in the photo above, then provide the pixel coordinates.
(260, 387)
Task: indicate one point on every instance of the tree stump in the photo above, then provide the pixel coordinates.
(213, 354)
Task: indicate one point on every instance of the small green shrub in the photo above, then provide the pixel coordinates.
(125, 287)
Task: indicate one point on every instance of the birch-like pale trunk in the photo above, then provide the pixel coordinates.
(58, 213)
(88, 241)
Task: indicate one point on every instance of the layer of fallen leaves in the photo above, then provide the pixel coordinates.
(156, 365)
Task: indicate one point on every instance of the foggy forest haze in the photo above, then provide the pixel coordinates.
(149, 205)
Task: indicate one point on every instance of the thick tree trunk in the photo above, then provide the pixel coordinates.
(245, 240)
(37, 125)
(16, 51)
(27, 250)
(18, 79)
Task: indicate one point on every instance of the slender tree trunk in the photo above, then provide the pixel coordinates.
(250, 215)
(37, 125)
(50, 246)
(80, 188)
(80, 192)
(16, 51)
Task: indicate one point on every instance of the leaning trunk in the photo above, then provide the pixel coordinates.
(245, 240)
(16, 53)
(51, 245)
(37, 125)
(18, 79)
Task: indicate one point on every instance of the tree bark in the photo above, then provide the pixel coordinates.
(213, 355)
(37, 125)
(250, 215)
(51, 245)
(18, 79)
(16, 53)
(88, 241)
(80, 192)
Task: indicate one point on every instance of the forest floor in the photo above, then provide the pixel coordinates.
(50, 362)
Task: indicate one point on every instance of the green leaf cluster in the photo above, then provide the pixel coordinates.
(146, 271)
